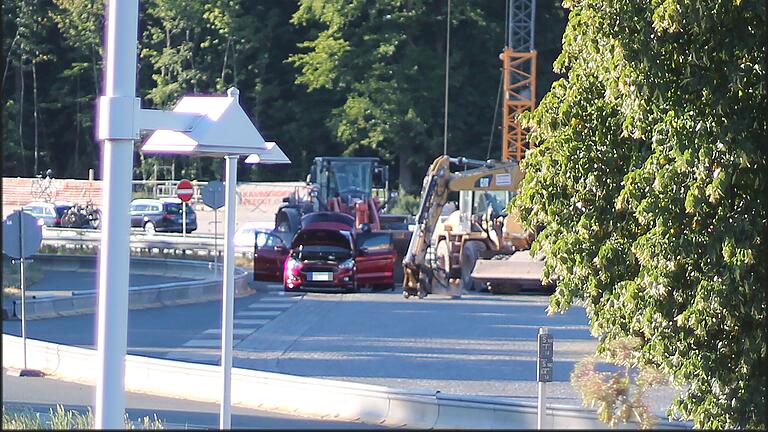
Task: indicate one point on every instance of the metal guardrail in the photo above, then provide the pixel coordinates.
(200, 284)
(197, 243)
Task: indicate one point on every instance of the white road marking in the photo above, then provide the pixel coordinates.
(284, 299)
(258, 313)
(237, 331)
(268, 305)
(251, 321)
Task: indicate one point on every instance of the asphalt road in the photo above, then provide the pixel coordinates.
(480, 344)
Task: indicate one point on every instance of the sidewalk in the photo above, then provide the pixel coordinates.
(44, 393)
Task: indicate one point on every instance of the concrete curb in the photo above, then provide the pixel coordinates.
(305, 396)
(204, 288)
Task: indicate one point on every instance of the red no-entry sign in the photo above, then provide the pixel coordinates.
(184, 190)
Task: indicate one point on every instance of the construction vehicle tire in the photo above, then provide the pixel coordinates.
(469, 255)
(444, 257)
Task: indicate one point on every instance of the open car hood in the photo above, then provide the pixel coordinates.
(317, 237)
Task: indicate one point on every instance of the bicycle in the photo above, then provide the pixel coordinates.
(80, 216)
(42, 187)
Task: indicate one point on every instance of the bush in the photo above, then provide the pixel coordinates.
(405, 203)
(618, 395)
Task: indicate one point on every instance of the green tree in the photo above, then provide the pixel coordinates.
(28, 22)
(81, 23)
(384, 60)
(649, 179)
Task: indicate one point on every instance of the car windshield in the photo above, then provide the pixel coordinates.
(496, 199)
(348, 175)
(321, 253)
(175, 208)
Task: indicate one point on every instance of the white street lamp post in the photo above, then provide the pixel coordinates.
(228, 298)
(117, 161)
(213, 126)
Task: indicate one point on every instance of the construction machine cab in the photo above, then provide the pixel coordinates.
(349, 179)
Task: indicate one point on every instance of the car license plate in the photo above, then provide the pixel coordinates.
(320, 276)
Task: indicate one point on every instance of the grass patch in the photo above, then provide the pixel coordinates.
(32, 274)
(11, 279)
(59, 418)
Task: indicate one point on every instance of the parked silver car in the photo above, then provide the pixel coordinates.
(48, 214)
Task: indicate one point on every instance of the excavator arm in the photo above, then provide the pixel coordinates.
(420, 278)
(434, 195)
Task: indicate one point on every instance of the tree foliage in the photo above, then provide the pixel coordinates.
(649, 178)
(319, 77)
(385, 61)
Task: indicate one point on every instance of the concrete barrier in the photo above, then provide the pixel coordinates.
(304, 396)
(204, 287)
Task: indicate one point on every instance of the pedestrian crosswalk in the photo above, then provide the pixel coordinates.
(206, 346)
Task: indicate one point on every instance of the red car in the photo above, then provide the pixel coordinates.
(326, 254)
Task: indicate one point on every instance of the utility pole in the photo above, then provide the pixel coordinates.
(519, 59)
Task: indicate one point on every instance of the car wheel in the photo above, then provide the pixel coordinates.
(149, 228)
(355, 288)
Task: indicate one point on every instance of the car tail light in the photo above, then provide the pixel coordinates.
(57, 221)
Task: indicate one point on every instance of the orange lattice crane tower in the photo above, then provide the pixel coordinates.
(519, 58)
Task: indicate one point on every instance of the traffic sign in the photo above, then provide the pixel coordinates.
(213, 194)
(545, 363)
(545, 370)
(185, 190)
(22, 235)
(546, 346)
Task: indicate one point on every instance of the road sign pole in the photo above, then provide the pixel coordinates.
(543, 354)
(23, 314)
(22, 235)
(215, 242)
(542, 404)
(228, 297)
(116, 127)
(183, 219)
(23, 292)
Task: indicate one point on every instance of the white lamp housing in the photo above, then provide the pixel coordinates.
(272, 155)
(222, 128)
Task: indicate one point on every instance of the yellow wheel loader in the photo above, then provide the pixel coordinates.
(443, 249)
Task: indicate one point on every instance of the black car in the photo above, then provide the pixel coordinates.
(161, 215)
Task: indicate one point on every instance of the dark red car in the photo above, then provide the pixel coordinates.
(326, 254)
